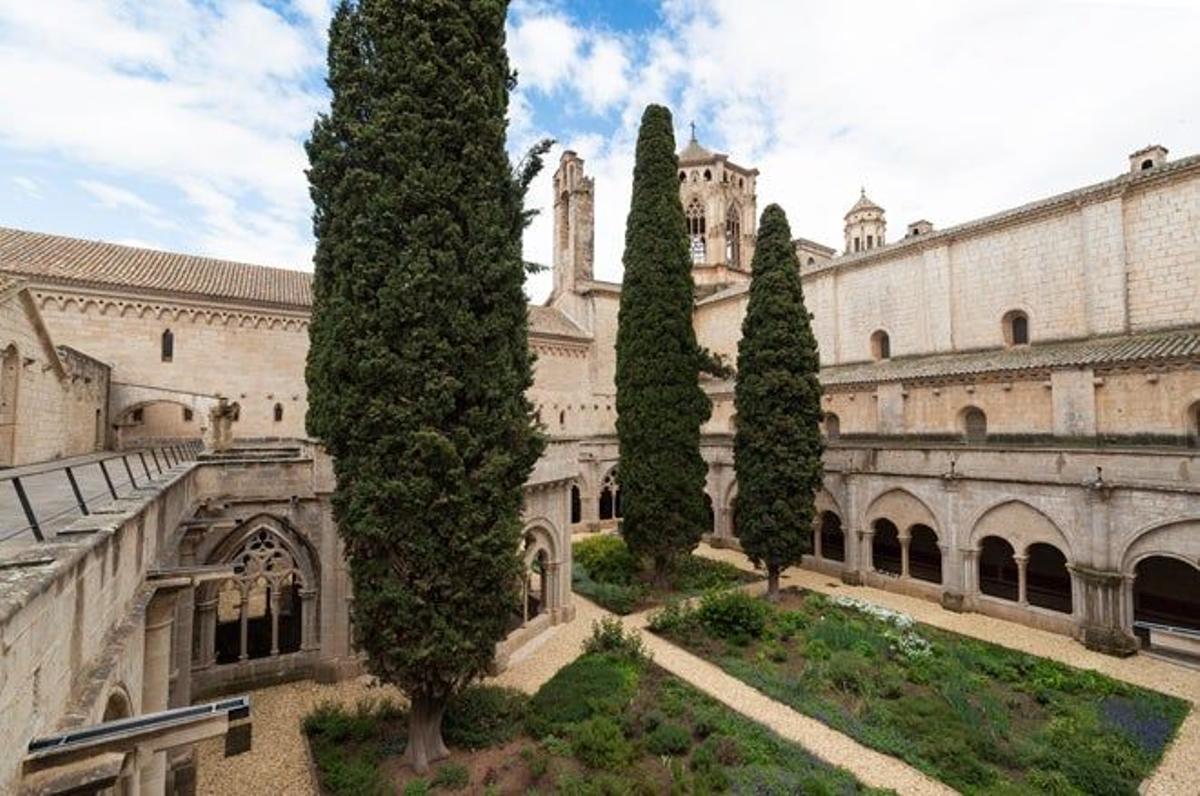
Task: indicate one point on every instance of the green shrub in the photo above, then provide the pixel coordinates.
(669, 738)
(591, 684)
(452, 776)
(599, 743)
(850, 672)
(416, 787)
(607, 559)
(734, 615)
(484, 715)
(609, 637)
(674, 619)
(693, 574)
(619, 599)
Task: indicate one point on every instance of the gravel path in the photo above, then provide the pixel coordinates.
(1178, 773)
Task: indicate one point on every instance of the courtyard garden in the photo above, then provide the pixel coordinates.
(611, 723)
(981, 718)
(606, 572)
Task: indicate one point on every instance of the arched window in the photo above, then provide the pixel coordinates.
(1016, 328)
(974, 425)
(562, 418)
(812, 261)
(1147, 165)
(833, 427)
(258, 611)
(576, 505)
(1166, 591)
(278, 413)
(997, 569)
(707, 175)
(137, 415)
(187, 414)
(733, 236)
(881, 345)
(1047, 580)
(10, 379)
(885, 547)
(610, 496)
(833, 538)
(924, 555)
(682, 176)
(870, 241)
(168, 346)
(695, 224)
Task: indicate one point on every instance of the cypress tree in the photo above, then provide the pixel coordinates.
(660, 405)
(419, 360)
(777, 445)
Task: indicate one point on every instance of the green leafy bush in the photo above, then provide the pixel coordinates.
(669, 738)
(452, 776)
(734, 615)
(599, 743)
(609, 637)
(618, 598)
(416, 787)
(694, 574)
(607, 559)
(675, 618)
(591, 684)
(484, 715)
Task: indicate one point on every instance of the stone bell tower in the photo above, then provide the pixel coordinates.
(720, 205)
(866, 226)
(574, 225)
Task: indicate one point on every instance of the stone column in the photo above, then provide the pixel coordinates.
(244, 622)
(156, 673)
(276, 604)
(867, 557)
(206, 611)
(308, 620)
(905, 540)
(818, 551)
(968, 577)
(1104, 601)
(1021, 595)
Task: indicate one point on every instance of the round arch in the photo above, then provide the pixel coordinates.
(543, 590)
(1178, 538)
(1021, 525)
(117, 705)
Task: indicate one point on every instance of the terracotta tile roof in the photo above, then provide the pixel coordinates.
(1159, 346)
(551, 321)
(70, 260)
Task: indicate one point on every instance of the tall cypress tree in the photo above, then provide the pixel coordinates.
(660, 405)
(419, 360)
(777, 446)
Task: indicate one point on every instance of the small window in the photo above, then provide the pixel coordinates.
(833, 427)
(857, 245)
(168, 346)
(1193, 425)
(237, 414)
(811, 261)
(881, 345)
(974, 423)
(682, 177)
(187, 415)
(1147, 164)
(870, 241)
(137, 416)
(562, 418)
(707, 175)
(278, 413)
(1016, 328)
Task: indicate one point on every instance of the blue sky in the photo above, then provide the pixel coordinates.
(179, 123)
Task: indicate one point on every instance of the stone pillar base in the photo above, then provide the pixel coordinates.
(1109, 640)
(852, 577)
(337, 669)
(953, 601)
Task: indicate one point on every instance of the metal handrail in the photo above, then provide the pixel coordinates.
(1182, 631)
(178, 453)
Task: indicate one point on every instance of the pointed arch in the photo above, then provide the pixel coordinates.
(1020, 524)
(697, 233)
(901, 507)
(733, 235)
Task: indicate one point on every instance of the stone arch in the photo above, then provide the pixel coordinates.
(1178, 538)
(1166, 594)
(733, 235)
(542, 572)
(1021, 524)
(10, 390)
(610, 495)
(576, 507)
(169, 420)
(924, 554)
(831, 535)
(972, 422)
(999, 575)
(1191, 424)
(269, 607)
(1048, 578)
(901, 507)
(117, 705)
(823, 500)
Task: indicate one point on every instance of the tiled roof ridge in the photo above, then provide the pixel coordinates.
(1169, 344)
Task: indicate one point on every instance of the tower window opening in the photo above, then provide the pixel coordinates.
(708, 175)
(187, 415)
(1147, 164)
(168, 346)
(857, 244)
(1016, 328)
(696, 230)
(870, 241)
(733, 237)
(278, 413)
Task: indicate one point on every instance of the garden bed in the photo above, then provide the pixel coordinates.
(610, 724)
(982, 718)
(608, 574)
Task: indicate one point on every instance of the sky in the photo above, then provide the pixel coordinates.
(179, 124)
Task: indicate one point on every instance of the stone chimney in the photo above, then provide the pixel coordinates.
(918, 228)
(1148, 158)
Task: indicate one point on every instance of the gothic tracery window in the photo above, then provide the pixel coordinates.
(696, 232)
(258, 611)
(610, 496)
(733, 236)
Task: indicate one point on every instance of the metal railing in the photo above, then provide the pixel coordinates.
(146, 462)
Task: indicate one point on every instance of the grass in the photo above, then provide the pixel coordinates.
(611, 722)
(604, 571)
(982, 718)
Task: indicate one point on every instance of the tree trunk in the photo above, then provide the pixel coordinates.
(772, 582)
(425, 744)
(662, 573)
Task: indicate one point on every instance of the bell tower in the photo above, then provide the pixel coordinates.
(574, 224)
(866, 226)
(720, 207)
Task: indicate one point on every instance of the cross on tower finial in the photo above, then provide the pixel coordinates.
(693, 131)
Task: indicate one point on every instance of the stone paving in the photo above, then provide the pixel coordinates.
(280, 753)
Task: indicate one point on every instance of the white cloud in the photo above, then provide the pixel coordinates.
(111, 197)
(28, 185)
